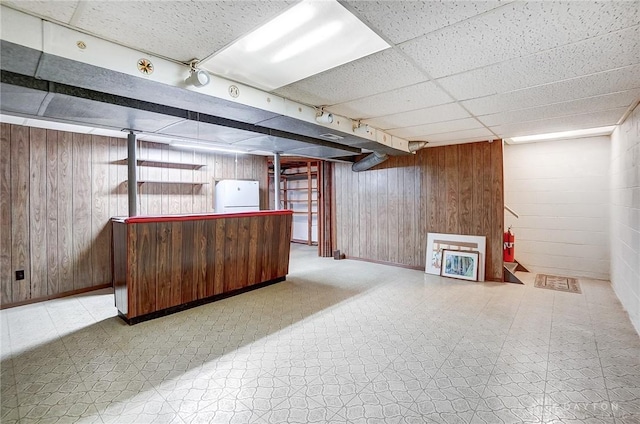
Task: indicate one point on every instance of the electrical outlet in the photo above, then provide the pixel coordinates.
(20, 274)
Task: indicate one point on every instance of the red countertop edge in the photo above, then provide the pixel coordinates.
(195, 217)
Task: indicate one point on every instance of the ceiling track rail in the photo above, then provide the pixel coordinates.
(11, 78)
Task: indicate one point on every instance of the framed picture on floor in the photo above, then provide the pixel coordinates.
(437, 242)
(460, 264)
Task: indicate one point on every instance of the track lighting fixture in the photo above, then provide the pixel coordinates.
(324, 117)
(197, 77)
(362, 129)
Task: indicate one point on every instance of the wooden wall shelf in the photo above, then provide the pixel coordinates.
(192, 183)
(140, 182)
(164, 164)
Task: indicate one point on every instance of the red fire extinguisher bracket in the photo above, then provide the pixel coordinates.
(509, 246)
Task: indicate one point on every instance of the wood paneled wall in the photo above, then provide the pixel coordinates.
(384, 214)
(58, 191)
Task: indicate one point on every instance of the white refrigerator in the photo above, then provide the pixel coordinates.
(237, 196)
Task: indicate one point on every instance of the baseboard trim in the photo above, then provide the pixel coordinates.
(56, 296)
(417, 268)
(374, 261)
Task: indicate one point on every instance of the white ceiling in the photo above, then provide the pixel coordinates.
(457, 70)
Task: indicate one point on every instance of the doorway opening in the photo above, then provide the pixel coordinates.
(305, 188)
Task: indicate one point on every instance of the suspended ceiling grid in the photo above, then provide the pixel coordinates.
(457, 71)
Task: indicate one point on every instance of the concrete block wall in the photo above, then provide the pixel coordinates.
(560, 189)
(625, 215)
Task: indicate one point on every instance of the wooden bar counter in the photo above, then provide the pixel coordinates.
(163, 264)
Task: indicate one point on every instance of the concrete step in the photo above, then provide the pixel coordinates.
(510, 273)
(511, 266)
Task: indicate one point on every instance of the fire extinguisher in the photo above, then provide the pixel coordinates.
(509, 246)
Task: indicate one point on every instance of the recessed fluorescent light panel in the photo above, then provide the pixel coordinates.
(308, 38)
(590, 132)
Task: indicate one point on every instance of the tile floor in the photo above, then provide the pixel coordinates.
(339, 341)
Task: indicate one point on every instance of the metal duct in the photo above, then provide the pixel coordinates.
(414, 146)
(35, 97)
(369, 162)
(61, 71)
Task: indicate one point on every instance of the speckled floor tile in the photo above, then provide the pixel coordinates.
(338, 342)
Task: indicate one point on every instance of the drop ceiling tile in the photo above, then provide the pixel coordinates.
(400, 21)
(613, 81)
(564, 123)
(588, 57)
(355, 80)
(179, 30)
(574, 107)
(55, 10)
(437, 128)
(467, 135)
(412, 97)
(430, 115)
(516, 30)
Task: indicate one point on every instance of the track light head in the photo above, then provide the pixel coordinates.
(198, 77)
(362, 129)
(324, 118)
